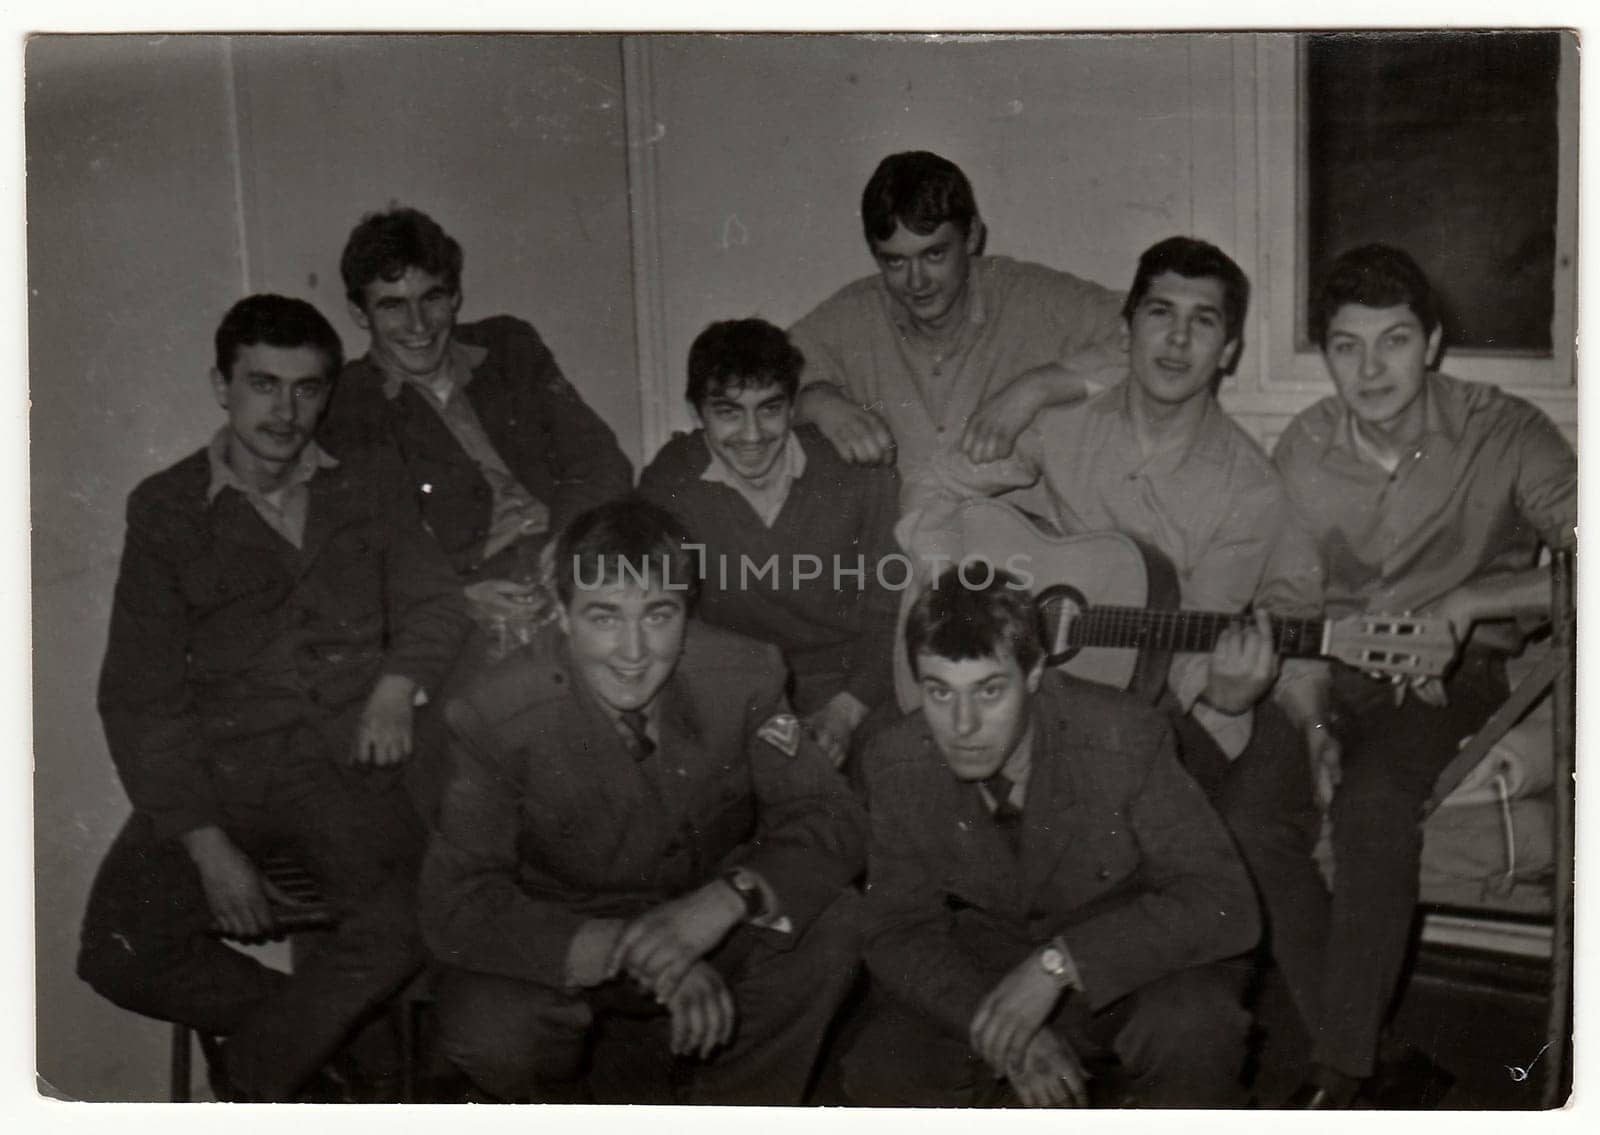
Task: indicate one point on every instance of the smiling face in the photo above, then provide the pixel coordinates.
(410, 321)
(273, 396)
(625, 640)
(977, 709)
(927, 275)
(747, 426)
(1379, 358)
(1177, 338)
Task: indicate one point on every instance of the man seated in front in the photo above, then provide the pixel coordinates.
(1048, 892)
(946, 348)
(1422, 493)
(1155, 457)
(277, 614)
(638, 826)
(793, 536)
(501, 449)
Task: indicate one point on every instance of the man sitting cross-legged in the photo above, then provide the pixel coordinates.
(1049, 893)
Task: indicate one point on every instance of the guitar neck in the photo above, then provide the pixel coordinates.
(1185, 631)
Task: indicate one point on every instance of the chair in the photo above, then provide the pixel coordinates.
(311, 913)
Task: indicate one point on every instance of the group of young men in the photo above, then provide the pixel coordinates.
(684, 813)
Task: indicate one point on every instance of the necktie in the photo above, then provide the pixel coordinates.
(638, 728)
(1007, 816)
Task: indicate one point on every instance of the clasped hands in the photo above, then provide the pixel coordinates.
(1008, 1032)
(663, 952)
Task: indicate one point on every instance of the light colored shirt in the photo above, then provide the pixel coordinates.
(516, 512)
(1020, 316)
(1209, 502)
(768, 502)
(285, 510)
(1489, 479)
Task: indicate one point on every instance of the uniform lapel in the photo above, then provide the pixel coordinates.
(1045, 831)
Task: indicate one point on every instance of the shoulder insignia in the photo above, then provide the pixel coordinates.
(782, 732)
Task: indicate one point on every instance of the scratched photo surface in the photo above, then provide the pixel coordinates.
(622, 192)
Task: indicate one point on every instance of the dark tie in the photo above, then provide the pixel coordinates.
(638, 727)
(1007, 816)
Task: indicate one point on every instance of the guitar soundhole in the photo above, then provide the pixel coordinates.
(1059, 605)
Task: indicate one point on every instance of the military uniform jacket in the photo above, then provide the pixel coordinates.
(558, 449)
(1120, 855)
(549, 820)
(231, 649)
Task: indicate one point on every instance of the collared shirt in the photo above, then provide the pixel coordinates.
(1017, 769)
(1020, 316)
(287, 514)
(1209, 502)
(1488, 480)
(768, 502)
(516, 512)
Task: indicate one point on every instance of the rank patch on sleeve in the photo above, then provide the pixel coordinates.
(782, 732)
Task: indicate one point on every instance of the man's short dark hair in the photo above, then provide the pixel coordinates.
(385, 245)
(1195, 260)
(277, 321)
(919, 190)
(622, 541)
(1373, 275)
(736, 354)
(954, 621)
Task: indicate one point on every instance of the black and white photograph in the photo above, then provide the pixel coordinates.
(836, 570)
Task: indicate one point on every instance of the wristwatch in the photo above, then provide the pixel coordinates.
(1053, 960)
(745, 886)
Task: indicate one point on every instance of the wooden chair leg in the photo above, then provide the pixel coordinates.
(182, 1049)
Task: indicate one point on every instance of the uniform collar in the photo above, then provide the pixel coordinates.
(462, 359)
(311, 458)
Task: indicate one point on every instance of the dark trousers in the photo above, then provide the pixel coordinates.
(1391, 757)
(1265, 799)
(521, 1040)
(146, 944)
(1176, 1042)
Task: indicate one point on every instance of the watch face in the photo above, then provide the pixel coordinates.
(1052, 961)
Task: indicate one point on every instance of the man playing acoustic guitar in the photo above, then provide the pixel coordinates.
(1157, 458)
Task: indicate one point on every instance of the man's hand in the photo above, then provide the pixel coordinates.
(1011, 1015)
(993, 430)
(1050, 1074)
(239, 896)
(383, 736)
(860, 436)
(507, 599)
(702, 1012)
(1323, 748)
(1243, 666)
(835, 723)
(661, 945)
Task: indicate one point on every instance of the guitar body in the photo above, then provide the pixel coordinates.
(1105, 569)
(1112, 612)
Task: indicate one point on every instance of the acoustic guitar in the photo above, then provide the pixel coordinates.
(1110, 608)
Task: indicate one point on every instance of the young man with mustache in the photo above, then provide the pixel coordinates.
(751, 485)
(278, 612)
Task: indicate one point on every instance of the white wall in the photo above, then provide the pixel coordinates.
(169, 176)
